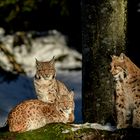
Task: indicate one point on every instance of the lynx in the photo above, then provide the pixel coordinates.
(127, 77)
(47, 87)
(33, 114)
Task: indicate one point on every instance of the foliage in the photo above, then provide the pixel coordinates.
(63, 4)
(14, 7)
(15, 11)
(16, 68)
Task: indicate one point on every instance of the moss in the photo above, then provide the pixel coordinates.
(55, 132)
(49, 132)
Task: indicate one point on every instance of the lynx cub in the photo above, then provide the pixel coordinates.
(127, 77)
(46, 86)
(33, 114)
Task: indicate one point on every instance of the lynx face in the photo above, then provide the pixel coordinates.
(45, 70)
(118, 68)
(66, 103)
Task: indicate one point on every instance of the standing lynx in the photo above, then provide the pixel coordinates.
(127, 77)
(46, 86)
(33, 114)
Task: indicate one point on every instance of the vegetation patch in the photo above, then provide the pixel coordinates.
(61, 131)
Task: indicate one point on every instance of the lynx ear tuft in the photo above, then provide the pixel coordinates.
(37, 62)
(113, 56)
(36, 59)
(72, 92)
(52, 60)
(122, 55)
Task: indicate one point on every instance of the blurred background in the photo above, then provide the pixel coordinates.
(39, 29)
(133, 30)
(43, 15)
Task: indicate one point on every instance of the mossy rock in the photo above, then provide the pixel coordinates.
(56, 132)
(49, 132)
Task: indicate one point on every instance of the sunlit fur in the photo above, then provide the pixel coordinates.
(33, 114)
(127, 77)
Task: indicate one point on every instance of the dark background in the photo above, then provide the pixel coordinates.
(64, 16)
(44, 15)
(133, 31)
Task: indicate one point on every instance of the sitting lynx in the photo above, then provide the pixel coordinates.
(34, 113)
(46, 86)
(127, 77)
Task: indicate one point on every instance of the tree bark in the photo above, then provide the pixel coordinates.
(103, 34)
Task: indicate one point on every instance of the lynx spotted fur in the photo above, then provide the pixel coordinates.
(34, 113)
(127, 77)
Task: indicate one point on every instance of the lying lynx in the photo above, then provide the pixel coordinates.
(33, 114)
(127, 77)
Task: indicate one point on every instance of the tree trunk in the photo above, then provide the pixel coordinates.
(103, 34)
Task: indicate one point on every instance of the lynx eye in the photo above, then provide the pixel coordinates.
(37, 77)
(61, 110)
(124, 74)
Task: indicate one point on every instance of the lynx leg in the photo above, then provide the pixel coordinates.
(71, 117)
(122, 118)
(136, 118)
